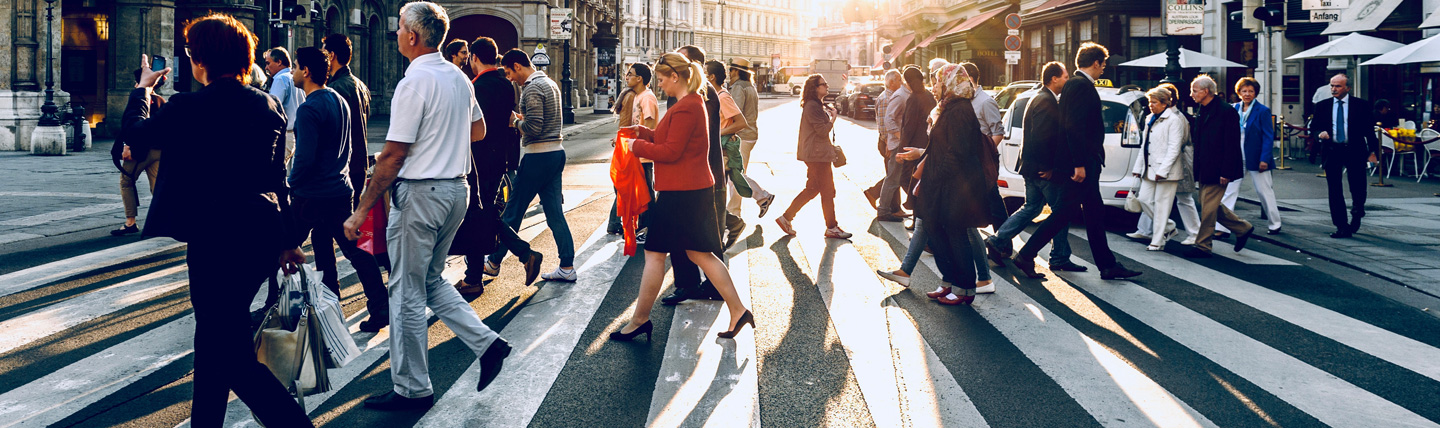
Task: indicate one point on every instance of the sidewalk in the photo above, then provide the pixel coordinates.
(1399, 239)
(79, 194)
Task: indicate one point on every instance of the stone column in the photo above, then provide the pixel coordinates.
(140, 27)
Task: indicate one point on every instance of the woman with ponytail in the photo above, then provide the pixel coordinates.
(817, 151)
(683, 216)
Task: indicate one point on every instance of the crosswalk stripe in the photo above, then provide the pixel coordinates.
(552, 325)
(40, 219)
(58, 395)
(68, 313)
(1107, 386)
(705, 381)
(1394, 348)
(1227, 250)
(1316, 392)
(26, 279)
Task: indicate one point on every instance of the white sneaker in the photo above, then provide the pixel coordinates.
(902, 280)
(1137, 235)
(988, 288)
(1189, 240)
(560, 275)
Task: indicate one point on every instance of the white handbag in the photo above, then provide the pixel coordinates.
(1132, 200)
(289, 341)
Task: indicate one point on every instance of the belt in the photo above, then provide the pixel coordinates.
(399, 180)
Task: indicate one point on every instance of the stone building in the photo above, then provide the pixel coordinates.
(97, 46)
(769, 33)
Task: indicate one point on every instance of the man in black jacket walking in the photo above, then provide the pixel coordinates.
(1083, 130)
(494, 156)
(1218, 161)
(1345, 124)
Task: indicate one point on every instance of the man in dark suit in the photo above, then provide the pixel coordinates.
(1083, 129)
(1345, 125)
(494, 156)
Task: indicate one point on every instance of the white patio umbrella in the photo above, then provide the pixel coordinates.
(1188, 59)
(1427, 50)
(1354, 46)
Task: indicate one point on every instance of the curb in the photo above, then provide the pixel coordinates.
(579, 128)
(1318, 255)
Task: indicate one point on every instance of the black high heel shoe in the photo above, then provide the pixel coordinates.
(745, 318)
(646, 328)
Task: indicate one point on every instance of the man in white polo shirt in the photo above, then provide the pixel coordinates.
(434, 118)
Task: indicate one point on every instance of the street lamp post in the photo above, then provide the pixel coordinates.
(567, 110)
(722, 30)
(49, 113)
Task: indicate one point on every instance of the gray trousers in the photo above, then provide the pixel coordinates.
(889, 202)
(424, 215)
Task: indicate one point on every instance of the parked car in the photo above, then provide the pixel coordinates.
(1123, 109)
(861, 103)
(1006, 95)
(842, 101)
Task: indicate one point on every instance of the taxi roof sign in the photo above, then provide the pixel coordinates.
(1104, 83)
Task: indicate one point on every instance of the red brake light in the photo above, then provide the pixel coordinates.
(1002, 183)
(1122, 194)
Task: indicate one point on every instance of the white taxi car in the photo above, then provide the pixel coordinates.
(1123, 109)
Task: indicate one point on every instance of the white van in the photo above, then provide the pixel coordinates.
(1123, 110)
(796, 83)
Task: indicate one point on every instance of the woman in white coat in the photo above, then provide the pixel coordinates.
(1161, 167)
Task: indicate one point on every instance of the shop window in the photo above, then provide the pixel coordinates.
(1146, 26)
(1087, 30)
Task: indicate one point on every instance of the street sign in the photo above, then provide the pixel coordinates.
(539, 48)
(1325, 15)
(1324, 4)
(1012, 21)
(562, 21)
(540, 59)
(1184, 18)
(1012, 32)
(1012, 43)
(1012, 55)
(1009, 61)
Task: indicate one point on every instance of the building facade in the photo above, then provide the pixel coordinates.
(97, 46)
(768, 33)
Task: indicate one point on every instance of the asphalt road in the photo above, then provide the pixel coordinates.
(97, 332)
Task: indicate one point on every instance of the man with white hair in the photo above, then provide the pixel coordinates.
(1218, 161)
(434, 118)
(889, 111)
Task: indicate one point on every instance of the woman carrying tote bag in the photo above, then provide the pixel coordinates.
(1161, 169)
(819, 155)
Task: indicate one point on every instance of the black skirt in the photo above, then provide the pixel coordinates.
(683, 220)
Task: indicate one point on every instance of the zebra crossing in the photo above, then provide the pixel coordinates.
(1259, 339)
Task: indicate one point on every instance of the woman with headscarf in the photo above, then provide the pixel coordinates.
(953, 185)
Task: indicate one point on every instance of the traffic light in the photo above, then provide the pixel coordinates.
(1271, 15)
(296, 11)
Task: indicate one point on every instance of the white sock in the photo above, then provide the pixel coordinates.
(952, 296)
(941, 288)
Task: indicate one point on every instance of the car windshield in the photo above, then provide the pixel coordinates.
(872, 89)
(1114, 115)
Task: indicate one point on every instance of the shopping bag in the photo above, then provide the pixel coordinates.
(293, 352)
(340, 347)
(372, 230)
(1132, 200)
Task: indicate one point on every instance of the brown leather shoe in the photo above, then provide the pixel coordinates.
(872, 195)
(532, 266)
(468, 288)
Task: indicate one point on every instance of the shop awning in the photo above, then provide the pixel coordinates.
(1354, 44)
(1427, 50)
(1053, 4)
(938, 32)
(973, 22)
(1188, 59)
(1432, 21)
(1363, 15)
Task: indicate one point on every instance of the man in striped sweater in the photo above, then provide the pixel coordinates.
(542, 163)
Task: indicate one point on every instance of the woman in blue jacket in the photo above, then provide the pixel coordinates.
(1258, 142)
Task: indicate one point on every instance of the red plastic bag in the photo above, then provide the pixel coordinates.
(372, 231)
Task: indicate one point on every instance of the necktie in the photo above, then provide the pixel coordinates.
(1339, 121)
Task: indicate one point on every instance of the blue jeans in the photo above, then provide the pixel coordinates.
(917, 245)
(539, 174)
(1038, 192)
